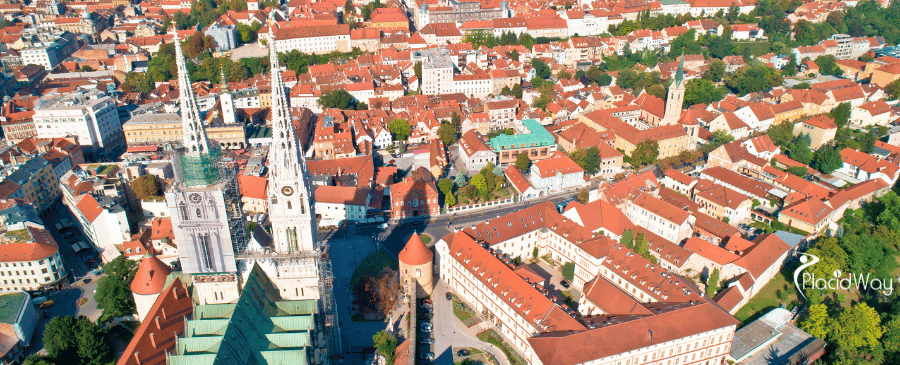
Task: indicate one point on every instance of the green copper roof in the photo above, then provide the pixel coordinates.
(679, 75)
(536, 136)
(259, 329)
(10, 306)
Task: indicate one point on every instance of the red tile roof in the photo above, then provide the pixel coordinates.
(661, 208)
(821, 121)
(559, 163)
(415, 252)
(517, 294)
(157, 333)
(565, 348)
(89, 207)
(611, 299)
(767, 252)
(346, 195)
(150, 277)
(710, 251)
(253, 187)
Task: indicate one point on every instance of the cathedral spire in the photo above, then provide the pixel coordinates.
(194, 134)
(288, 160)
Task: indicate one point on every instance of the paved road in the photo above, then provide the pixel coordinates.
(452, 335)
(65, 299)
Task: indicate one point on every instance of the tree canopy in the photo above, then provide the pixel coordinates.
(340, 99)
(114, 290)
(76, 340)
(400, 129)
(146, 187)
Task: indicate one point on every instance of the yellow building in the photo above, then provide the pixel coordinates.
(32, 181)
(162, 128)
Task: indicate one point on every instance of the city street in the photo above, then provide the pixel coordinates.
(78, 273)
(349, 246)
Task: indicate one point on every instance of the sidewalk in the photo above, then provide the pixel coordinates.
(451, 334)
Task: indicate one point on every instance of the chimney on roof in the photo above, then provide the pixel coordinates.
(156, 320)
(152, 341)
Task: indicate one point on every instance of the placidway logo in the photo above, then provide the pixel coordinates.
(858, 281)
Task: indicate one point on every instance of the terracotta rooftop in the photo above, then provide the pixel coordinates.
(150, 277)
(415, 252)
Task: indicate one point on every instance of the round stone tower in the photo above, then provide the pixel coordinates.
(148, 283)
(416, 266)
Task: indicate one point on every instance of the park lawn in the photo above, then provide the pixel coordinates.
(373, 264)
(461, 310)
(767, 299)
(426, 239)
(493, 338)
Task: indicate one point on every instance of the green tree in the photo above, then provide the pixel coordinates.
(587, 158)
(385, 344)
(642, 247)
(827, 159)
(841, 114)
(583, 196)
(114, 290)
(828, 65)
(891, 340)
(417, 69)
(857, 327)
(800, 171)
(805, 33)
(523, 162)
(93, 349)
(540, 68)
(400, 129)
(687, 43)
(146, 187)
(447, 133)
(37, 359)
(753, 78)
(568, 271)
(712, 283)
(445, 185)
(460, 180)
(715, 71)
(702, 91)
(893, 89)
(800, 149)
(719, 137)
(478, 181)
(645, 153)
(138, 81)
(60, 339)
(339, 99)
(781, 134)
(816, 321)
(790, 69)
(627, 239)
(720, 46)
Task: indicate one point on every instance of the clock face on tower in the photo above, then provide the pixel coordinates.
(287, 190)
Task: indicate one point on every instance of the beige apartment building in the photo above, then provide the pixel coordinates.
(162, 128)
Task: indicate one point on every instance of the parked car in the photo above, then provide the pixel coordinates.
(426, 329)
(426, 341)
(427, 356)
(47, 304)
(462, 352)
(449, 296)
(564, 283)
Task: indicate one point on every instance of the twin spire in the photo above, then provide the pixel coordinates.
(195, 141)
(288, 161)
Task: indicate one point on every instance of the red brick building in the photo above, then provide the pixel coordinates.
(415, 196)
